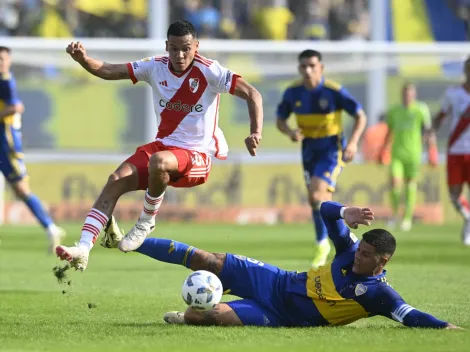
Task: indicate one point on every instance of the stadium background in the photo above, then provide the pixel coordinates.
(76, 128)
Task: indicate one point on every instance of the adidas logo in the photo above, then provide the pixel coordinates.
(163, 83)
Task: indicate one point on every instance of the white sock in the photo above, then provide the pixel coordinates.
(94, 223)
(52, 230)
(151, 206)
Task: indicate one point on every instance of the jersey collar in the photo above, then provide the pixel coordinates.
(317, 88)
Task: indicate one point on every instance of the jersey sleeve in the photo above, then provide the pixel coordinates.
(285, 107)
(221, 79)
(348, 102)
(141, 70)
(390, 304)
(10, 94)
(338, 232)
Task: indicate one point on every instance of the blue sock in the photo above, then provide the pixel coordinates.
(320, 227)
(34, 204)
(167, 251)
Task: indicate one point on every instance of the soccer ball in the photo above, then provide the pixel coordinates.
(202, 290)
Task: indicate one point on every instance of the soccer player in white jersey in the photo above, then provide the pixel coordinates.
(186, 91)
(456, 103)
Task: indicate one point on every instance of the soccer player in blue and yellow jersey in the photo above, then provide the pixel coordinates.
(11, 151)
(318, 105)
(351, 287)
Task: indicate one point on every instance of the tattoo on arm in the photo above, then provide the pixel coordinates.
(210, 316)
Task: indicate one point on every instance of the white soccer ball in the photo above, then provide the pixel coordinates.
(202, 290)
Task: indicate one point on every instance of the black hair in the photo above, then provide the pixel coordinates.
(5, 48)
(307, 54)
(181, 28)
(382, 240)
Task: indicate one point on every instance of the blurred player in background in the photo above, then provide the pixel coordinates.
(406, 122)
(351, 287)
(11, 149)
(186, 91)
(456, 103)
(318, 105)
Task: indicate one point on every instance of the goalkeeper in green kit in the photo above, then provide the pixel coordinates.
(409, 125)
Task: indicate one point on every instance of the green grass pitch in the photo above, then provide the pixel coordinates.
(129, 293)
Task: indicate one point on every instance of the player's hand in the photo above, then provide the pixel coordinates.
(349, 152)
(296, 135)
(252, 142)
(450, 326)
(355, 216)
(77, 51)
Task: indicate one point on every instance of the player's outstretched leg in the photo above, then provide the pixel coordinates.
(124, 179)
(162, 166)
(318, 193)
(54, 233)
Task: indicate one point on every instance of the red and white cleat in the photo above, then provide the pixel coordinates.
(76, 256)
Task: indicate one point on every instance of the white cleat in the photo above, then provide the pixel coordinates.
(406, 225)
(56, 239)
(136, 236)
(112, 234)
(76, 256)
(174, 318)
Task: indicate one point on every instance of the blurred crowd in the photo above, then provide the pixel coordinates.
(237, 19)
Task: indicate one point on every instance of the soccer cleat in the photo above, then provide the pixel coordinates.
(136, 236)
(55, 239)
(406, 225)
(76, 256)
(321, 255)
(112, 234)
(174, 318)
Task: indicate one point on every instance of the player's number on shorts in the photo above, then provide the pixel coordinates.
(251, 260)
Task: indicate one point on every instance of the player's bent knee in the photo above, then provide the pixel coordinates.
(159, 163)
(316, 198)
(21, 189)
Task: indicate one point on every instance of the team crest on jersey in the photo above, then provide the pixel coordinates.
(323, 103)
(193, 84)
(360, 289)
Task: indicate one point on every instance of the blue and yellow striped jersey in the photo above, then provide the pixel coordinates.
(318, 112)
(333, 294)
(8, 96)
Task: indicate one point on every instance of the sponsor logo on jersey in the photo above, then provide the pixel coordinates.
(323, 103)
(193, 84)
(180, 106)
(228, 76)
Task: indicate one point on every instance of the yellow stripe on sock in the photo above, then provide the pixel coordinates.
(190, 248)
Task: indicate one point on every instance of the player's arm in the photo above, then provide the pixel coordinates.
(253, 98)
(284, 110)
(446, 107)
(353, 108)
(13, 104)
(389, 303)
(387, 140)
(336, 216)
(429, 136)
(96, 67)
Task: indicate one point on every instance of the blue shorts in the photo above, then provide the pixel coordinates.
(262, 287)
(326, 165)
(11, 154)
